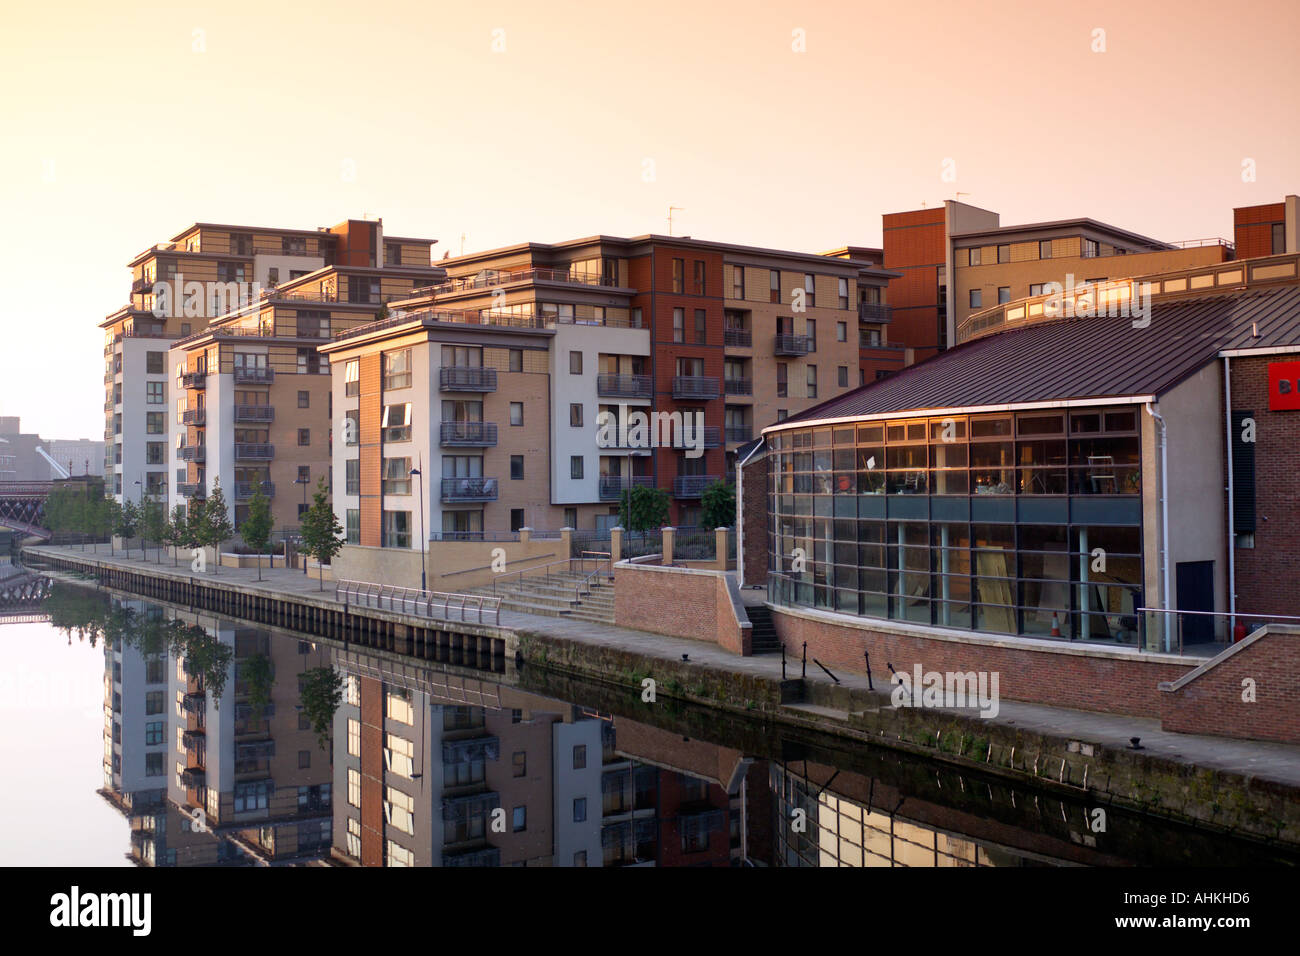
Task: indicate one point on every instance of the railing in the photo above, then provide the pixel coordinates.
(190, 490)
(868, 339)
(738, 338)
(281, 251)
(256, 375)
(469, 489)
(590, 564)
(691, 486)
(246, 489)
(874, 312)
(1154, 628)
(739, 433)
(474, 536)
(694, 544)
(695, 386)
(470, 283)
(194, 380)
(194, 416)
(792, 345)
(467, 379)
(194, 453)
(738, 386)
(480, 434)
(612, 486)
(254, 413)
(709, 436)
(624, 386)
(254, 451)
(440, 604)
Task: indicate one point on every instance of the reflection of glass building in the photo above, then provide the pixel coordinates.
(971, 521)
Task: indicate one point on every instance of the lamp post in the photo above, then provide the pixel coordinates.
(301, 480)
(423, 547)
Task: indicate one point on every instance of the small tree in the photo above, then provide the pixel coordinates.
(153, 523)
(110, 517)
(322, 535)
(176, 533)
(322, 692)
(126, 522)
(257, 526)
(643, 508)
(215, 526)
(718, 505)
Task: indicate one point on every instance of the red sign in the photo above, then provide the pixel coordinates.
(1283, 386)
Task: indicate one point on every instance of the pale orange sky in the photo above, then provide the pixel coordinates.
(119, 134)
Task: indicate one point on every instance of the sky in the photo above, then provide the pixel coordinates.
(791, 125)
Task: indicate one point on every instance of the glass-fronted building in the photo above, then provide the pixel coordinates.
(1025, 522)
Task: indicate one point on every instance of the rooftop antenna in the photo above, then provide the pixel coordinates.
(462, 243)
(671, 209)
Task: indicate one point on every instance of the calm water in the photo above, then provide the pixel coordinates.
(143, 733)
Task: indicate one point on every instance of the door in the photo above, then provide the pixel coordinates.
(1195, 592)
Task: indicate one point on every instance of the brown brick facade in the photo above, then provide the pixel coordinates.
(680, 603)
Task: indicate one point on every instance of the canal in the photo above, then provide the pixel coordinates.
(155, 735)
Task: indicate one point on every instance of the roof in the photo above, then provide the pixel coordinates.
(1079, 358)
(1059, 225)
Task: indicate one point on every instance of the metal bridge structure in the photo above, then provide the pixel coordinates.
(22, 507)
(22, 597)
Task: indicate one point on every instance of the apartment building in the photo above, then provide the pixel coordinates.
(207, 271)
(958, 259)
(522, 349)
(1270, 229)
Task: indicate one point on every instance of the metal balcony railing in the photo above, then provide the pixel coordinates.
(194, 416)
(194, 453)
(874, 312)
(624, 386)
(465, 434)
(246, 489)
(612, 486)
(469, 489)
(466, 379)
(190, 490)
(194, 380)
(256, 451)
(739, 433)
(256, 375)
(786, 344)
(193, 778)
(254, 413)
(738, 338)
(193, 703)
(703, 387)
(691, 486)
(707, 436)
(738, 386)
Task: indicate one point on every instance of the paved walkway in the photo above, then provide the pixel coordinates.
(1273, 761)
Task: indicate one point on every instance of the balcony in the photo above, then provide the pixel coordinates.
(613, 486)
(469, 434)
(624, 386)
(708, 436)
(246, 489)
(142, 285)
(193, 739)
(691, 486)
(190, 490)
(194, 453)
(193, 778)
(194, 416)
(702, 387)
(256, 375)
(466, 379)
(254, 413)
(194, 703)
(194, 380)
(739, 433)
(874, 312)
(738, 338)
(792, 345)
(469, 489)
(738, 386)
(259, 451)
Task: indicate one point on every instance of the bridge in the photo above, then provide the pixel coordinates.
(22, 507)
(22, 597)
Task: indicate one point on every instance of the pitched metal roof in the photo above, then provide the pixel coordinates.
(1080, 358)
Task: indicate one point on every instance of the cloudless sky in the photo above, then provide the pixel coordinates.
(126, 122)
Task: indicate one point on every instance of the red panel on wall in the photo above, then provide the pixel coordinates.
(1284, 386)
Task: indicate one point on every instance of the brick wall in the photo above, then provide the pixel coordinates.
(753, 514)
(1066, 678)
(1210, 702)
(1252, 228)
(678, 602)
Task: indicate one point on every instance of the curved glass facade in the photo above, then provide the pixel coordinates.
(1015, 523)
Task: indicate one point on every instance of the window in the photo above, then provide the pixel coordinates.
(1004, 294)
(575, 467)
(679, 325)
(516, 467)
(1278, 237)
(354, 838)
(399, 855)
(399, 755)
(737, 282)
(519, 763)
(304, 474)
(304, 759)
(571, 517)
(841, 331)
(397, 476)
(353, 525)
(580, 858)
(1036, 288)
(352, 691)
(153, 363)
(699, 277)
(520, 817)
(575, 415)
(679, 275)
(810, 329)
(976, 298)
(352, 377)
(304, 437)
(579, 756)
(844, 293)
(700, 326)
(782, 385)
(579, 809)
(153, 732)
(154, 394)
(774, 285)
(975, 256)
(516, 413)
(516, 360)
(1045, 248)
(352, 479)
(153, 702)
(843, 379)
(252, 795)
(156, 423)
(155, 453)
(399, 810)
(397, 529)
(809, 289)
(354, 738)
(575, 363)
(397, 369)
(812, 381)
(516, 519)
(304, 399)
(397, 422)
(153, 764)
(1091, 248)
(398, 707)
(352, 427)
(1004, 253)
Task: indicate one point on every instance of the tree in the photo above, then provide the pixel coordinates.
(110, 518)
(153, 523)
(257, 676)
(643, 508)
(176, 533)
(215, 527)
(718, 505)
(257, 526)
(322, 692)
(322, 535)
(126, 521)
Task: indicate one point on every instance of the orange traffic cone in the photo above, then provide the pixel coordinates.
(1056, 626)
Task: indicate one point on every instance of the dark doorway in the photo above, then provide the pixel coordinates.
(1195, 592)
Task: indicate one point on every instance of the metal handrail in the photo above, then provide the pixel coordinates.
(416, 601)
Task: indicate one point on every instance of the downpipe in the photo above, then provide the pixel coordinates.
(1164, 521)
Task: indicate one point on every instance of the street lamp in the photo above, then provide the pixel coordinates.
(419, 474)
(304, 481)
